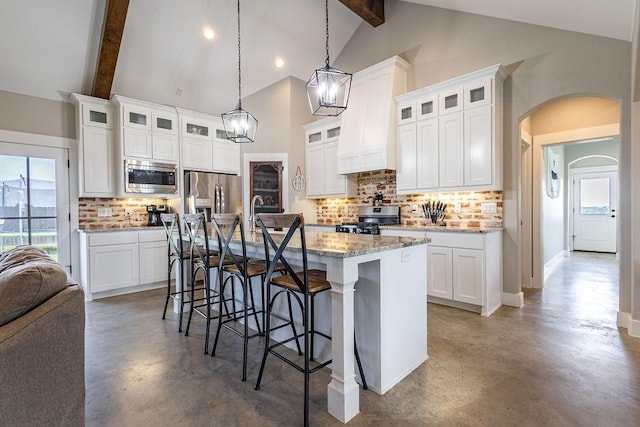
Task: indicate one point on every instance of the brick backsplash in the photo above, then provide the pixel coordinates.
(369, 183)
(89, 219)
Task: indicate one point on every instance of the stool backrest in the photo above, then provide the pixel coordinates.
(226, 225)
(294, 223)
(171, 224)
(193, 224)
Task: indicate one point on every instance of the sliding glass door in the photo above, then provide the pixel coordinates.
(34, 199)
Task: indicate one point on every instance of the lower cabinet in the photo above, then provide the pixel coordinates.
(455, 274)
(152, 253)
(465, 270)
(122, 261)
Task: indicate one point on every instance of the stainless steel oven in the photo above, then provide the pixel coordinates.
(142, 177)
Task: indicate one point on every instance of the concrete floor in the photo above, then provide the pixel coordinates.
(558, 361)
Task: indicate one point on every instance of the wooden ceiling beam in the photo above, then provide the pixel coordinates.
(371, 11)
(112, 29)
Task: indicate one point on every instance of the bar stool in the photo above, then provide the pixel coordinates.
(176, 255)
(303, 286)
(203, 260)
(226, 226)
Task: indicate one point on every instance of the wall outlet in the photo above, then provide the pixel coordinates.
(345, 210)
(105, 212)
(457, 208)
(414, 209)
(128, 212)
(319, 209)
(489, 208)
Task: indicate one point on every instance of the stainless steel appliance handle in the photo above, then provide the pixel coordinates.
(221, 201)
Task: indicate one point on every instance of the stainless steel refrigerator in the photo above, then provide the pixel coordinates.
(212, 193)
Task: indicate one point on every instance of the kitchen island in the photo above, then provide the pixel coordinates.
(389, 312)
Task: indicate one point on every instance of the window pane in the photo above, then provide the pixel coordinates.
(594, 196)
(13, 178)
(28, 203)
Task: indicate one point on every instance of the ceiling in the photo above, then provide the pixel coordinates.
(50, 48)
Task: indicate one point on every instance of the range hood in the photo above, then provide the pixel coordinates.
(368, 131)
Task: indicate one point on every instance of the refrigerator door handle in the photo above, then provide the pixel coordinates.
(215, 199)
(221, 201)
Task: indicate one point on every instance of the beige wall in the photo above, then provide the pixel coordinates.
(24, 113)
(574, 113)
(281, 110)
(543, 64)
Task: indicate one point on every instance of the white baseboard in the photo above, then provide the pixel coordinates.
(549, 265)
(623, 320)
(513, 300)
(634, 328)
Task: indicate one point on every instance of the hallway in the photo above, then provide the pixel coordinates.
(559, 360)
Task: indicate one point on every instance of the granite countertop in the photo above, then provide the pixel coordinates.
(120, 228)
(339, 245)
(447, 228)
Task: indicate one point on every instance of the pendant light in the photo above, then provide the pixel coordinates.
(328, 88)
(239, 125)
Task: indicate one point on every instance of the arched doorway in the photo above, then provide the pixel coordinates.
(554, 134)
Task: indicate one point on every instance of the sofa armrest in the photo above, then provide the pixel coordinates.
(42, 363)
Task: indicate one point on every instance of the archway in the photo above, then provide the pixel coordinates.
(576, 121)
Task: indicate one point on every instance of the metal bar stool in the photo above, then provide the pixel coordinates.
(203, 260)
(228, 227)
(176, 254)
(303, 286)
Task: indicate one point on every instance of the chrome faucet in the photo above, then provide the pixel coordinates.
(252, 217)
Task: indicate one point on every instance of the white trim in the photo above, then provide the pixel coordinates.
(263, 157)
(548, 266)
(581, 134)
(623, 320)
(634, 328)
(513, 300)
(69, 144)
(36, 139)
(593, 156)
(526, 140)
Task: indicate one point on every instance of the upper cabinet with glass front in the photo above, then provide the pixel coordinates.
(146, 131)
(204, 144)
(96, 147)
(450, 134)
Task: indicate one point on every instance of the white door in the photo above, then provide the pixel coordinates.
(34, 199)
(595, 199)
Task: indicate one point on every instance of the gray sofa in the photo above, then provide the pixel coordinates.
(41, 342)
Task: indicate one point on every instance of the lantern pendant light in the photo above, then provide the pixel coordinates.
(328, 88)
(239, 125)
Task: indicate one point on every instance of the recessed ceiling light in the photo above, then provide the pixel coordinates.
(279, 62)
(208, 33)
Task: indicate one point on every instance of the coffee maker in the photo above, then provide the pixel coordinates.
(153, 215)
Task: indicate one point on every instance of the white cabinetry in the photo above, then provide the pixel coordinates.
(147, 131)
(152, 248)
(122, 261)
(464, 270)
(204, 144)
(368, 139)
(458, 134)
(321, 140)
(96, 148)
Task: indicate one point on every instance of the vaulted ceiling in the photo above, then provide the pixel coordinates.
(50, 48)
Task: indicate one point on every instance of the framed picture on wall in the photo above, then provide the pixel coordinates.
(552, 178)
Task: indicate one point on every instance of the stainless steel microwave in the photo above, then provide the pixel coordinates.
(142, 177)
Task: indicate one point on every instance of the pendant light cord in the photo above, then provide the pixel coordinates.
(326, 10)
(240, 69)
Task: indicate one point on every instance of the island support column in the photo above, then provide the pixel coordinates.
(343, 392)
